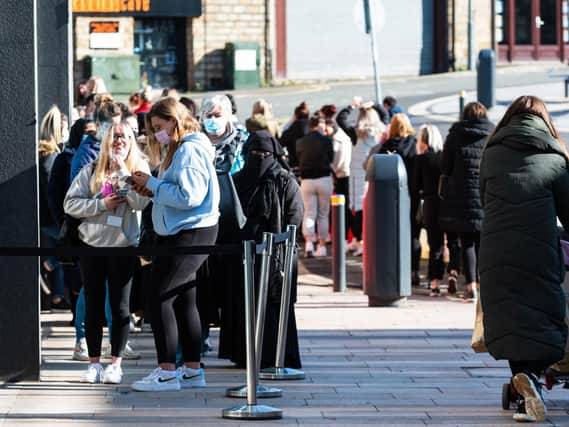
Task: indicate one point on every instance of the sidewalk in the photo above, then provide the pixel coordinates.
(410, 365)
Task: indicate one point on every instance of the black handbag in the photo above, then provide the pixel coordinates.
(69, 232)
(232, 217)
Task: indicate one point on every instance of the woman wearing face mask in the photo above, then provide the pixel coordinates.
(185, 212)
(101, 198)
(217, 276)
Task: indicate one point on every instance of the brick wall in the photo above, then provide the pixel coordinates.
(222, 21)
(81, 40)
(482, 29)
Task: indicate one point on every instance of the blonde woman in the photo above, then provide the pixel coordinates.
(262, 118)
(51, 131)
(100, 196)
(185, 212)
(369, 130)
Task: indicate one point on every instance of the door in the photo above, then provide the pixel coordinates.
(547, 26)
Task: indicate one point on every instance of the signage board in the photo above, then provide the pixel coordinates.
(138, 8)
(104, 35)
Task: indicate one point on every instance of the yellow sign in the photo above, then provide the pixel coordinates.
(110, 6)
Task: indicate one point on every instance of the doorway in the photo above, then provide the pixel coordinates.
(530, 30)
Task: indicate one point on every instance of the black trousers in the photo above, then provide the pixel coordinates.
(470, 246)
(436, 240)
(96, 272)
(453, 244)
(535, 367)
(357, 224)
(173, 307)
(342, 186)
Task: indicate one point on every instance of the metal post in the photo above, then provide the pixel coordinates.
(250, 411)
(369, 11)
(470, 36)
(566, 88)
(279, 372)
(338, 202)
(261, 390)
(461, 98)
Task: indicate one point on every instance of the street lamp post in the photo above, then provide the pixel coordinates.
(369, 13)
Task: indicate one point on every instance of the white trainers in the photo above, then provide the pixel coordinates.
(190, 378)
(80, 351)
(158, 380)
(112, 374)
(308, 249)
(93, 374)
(321, 251)
(353, 245)
(359, 250)
(128, 354)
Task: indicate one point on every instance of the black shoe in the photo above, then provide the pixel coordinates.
(61, 305)
(435, 292)
(415, 279)
(452, 281)
(469, 296)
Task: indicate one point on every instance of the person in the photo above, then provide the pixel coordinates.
(191, 105)
(369, 129)
(427, 174)
(297, 128)
(234, 119)
(341, 165)
(262, 118)
(216, 277)
(144, 103)
(96, 86)
(401, 140)
(315, 154)
(100, 197)
(461, 209)
(271, 201)
(185, 212)
(524, 187)
(51, 134)
(348, 116)
(391, 106)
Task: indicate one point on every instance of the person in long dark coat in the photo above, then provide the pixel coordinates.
(271, 200)
(461, 210)
(524, 184)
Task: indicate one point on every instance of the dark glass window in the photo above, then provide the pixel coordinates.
(548, 14)
(523, 21)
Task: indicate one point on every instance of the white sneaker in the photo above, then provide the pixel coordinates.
(112, 374)
(359, 251)
(308, 249)
(80, 352)
(158, 380)
(190, 378)
(93, 374)
(353, 245)
(321, 251)
(128, 353)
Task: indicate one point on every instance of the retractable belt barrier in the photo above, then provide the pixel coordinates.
(78, 251)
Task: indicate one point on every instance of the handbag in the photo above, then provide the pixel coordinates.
(69, 232)
(477, 343)
(231, 212)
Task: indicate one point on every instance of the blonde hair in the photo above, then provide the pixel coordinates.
(260, 106)
(431, 136)
(50, 130)
(133, 159)
(400, 126)
(168, 109)
(369, 124)
(96, 85)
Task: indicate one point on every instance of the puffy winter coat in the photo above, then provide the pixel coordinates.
(524, 186)
(461, 210)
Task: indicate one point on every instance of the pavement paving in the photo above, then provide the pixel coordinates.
(406, 365)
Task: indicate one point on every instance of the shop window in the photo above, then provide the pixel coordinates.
(548, 17)
(523, 21)
(565, 20)
(501, 22)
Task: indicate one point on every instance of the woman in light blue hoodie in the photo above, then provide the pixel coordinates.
(185, 213)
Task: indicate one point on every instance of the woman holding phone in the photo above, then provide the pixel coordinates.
(185, 213)
(101, 198)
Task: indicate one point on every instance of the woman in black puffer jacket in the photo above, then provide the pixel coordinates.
(461, 210)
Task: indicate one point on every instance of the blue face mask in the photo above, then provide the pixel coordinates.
(214, 125)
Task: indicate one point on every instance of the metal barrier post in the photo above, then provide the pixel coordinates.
(261, 390)
(279, 372)
(461, 98)
(250, 411)
(338, 203)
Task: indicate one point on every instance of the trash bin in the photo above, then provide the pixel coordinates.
(121, 73)
(486, 78)
(241, 65)
(387, 232)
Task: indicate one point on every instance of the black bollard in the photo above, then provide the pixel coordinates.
(338, 202)
(461, 98)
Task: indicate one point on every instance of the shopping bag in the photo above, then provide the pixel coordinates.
(477, 343)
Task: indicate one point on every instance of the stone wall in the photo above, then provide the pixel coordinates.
(482, 29)
(222, 21)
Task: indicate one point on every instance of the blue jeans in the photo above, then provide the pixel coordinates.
(80, 315)
(56, 276)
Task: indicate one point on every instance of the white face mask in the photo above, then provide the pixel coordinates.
(64, 135)
(122, 155)
(215, 125)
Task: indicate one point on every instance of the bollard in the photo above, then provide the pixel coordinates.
(338, 202)
(261, 390)
(567, 88)
(461, 99)
(280, 372)
(486, 78)
(250, 411)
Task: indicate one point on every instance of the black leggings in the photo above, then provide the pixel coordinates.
(96, 272)
(453, 244)
(470, 246)
(436, 247)
(173, 296)
(357, 225)
(536, 367)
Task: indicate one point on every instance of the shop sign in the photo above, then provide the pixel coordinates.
(172, 8)
(104, 35)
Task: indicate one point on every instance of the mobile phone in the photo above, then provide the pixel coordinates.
(122, 192)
